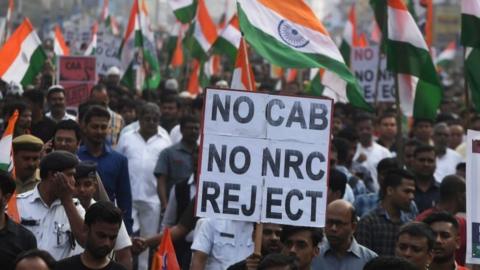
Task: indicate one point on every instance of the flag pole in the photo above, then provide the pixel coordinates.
(466, 86)
(377, 81)
(250, 85)
(399, 137)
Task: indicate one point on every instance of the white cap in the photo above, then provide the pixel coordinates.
(55, 86)
(222, 84)
(113, 71)
(171, 84)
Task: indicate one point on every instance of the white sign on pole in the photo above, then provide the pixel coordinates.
(107, 51)
(264, 158)
(473, 200)
(365, 67)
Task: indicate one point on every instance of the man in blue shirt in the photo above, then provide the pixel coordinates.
(111, 165)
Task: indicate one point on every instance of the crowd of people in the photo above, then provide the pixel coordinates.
(95, 186)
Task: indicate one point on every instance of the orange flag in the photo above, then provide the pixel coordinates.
(193, 86)
(165, 257)
(6, 162)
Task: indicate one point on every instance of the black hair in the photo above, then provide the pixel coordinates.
(386, 115)
(442, 217)
(35, 96)
(127, 103)
(362, 116)
(103, 211)
(461, 166)
(95, 111)
(342, 146)
(387, 164)
(17, 104)
(393, 178)
(55, 90)
(413, 142)
(37, 253)
(418, 229)
(417, 121)
(278, 260)
(316, 234)
(423, 148)
(188, 118)
(7, 183)
(348, 133)
(390, 263)
(170, 98)
(98, 88)
(69, 125)
(451, 187)
(337, 181)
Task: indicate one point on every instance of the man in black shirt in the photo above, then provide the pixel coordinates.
(14, 238)
(102, 222)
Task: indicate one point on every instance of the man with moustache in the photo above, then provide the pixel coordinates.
(102, 223)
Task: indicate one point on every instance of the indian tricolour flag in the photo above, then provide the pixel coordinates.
(447, 56)
(92, 46)
(22, 56)
(408, 56)
(228, 41)
(349, 36)
(288, 34)
(243, 78)
(59, 45)
(470, 36)
(139, 39)
(184, 10)
(204, 33)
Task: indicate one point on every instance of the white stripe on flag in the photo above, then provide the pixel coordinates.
(178, 4)
(21, 63)
(198, 34)
(318, 43)
(407, 85)
(402, 27)
(232, 35)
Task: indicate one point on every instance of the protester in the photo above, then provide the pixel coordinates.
(67, 136)
(447, 159)
(336, 185)
(341, 251)
(415, 243)
(278, 261)
(102, 223)
(175, 162)
(112, 166)
(86, 186)
(427, 189)
(301, 243)
(14, 238)
(368, 153)
(56, 104)
(390, 263)
(422, 130)
(447, 240)
(41, 126)
(24, 121)
(142, 148)
(27, 150)
(387, 131)
(49, 211)
(169, 109)
(377, 230)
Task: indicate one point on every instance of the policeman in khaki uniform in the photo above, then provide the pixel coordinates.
(26, 155)
(49, 211)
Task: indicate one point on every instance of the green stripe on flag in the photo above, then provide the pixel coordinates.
(345, 51)
(153, 79)
(472, 66)
(35, 66)
(282, 55)
(315, 87)
(186, 14)
(197, 51)
(405, 58)
(128, 78)
(470, 35)
(222, 46)
(427, 100)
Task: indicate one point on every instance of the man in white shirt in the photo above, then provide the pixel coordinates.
(447, 159)
(49, 211)
(368, 152)
(220, 243)
(56, 104)
(142, 148)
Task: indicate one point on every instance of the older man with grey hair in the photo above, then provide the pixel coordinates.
(447, 159)
(142, 146)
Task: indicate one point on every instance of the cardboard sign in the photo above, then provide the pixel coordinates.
(365, 67)
(107, 52)
(76, 93)
(76, 69)
(264, 158)
(473, 200)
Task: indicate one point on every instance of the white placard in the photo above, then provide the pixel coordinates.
(264, 158)
(473, 200)
(106, 52)
(365, 67)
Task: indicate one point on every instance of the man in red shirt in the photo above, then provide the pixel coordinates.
(452, 200)
(447, 240)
